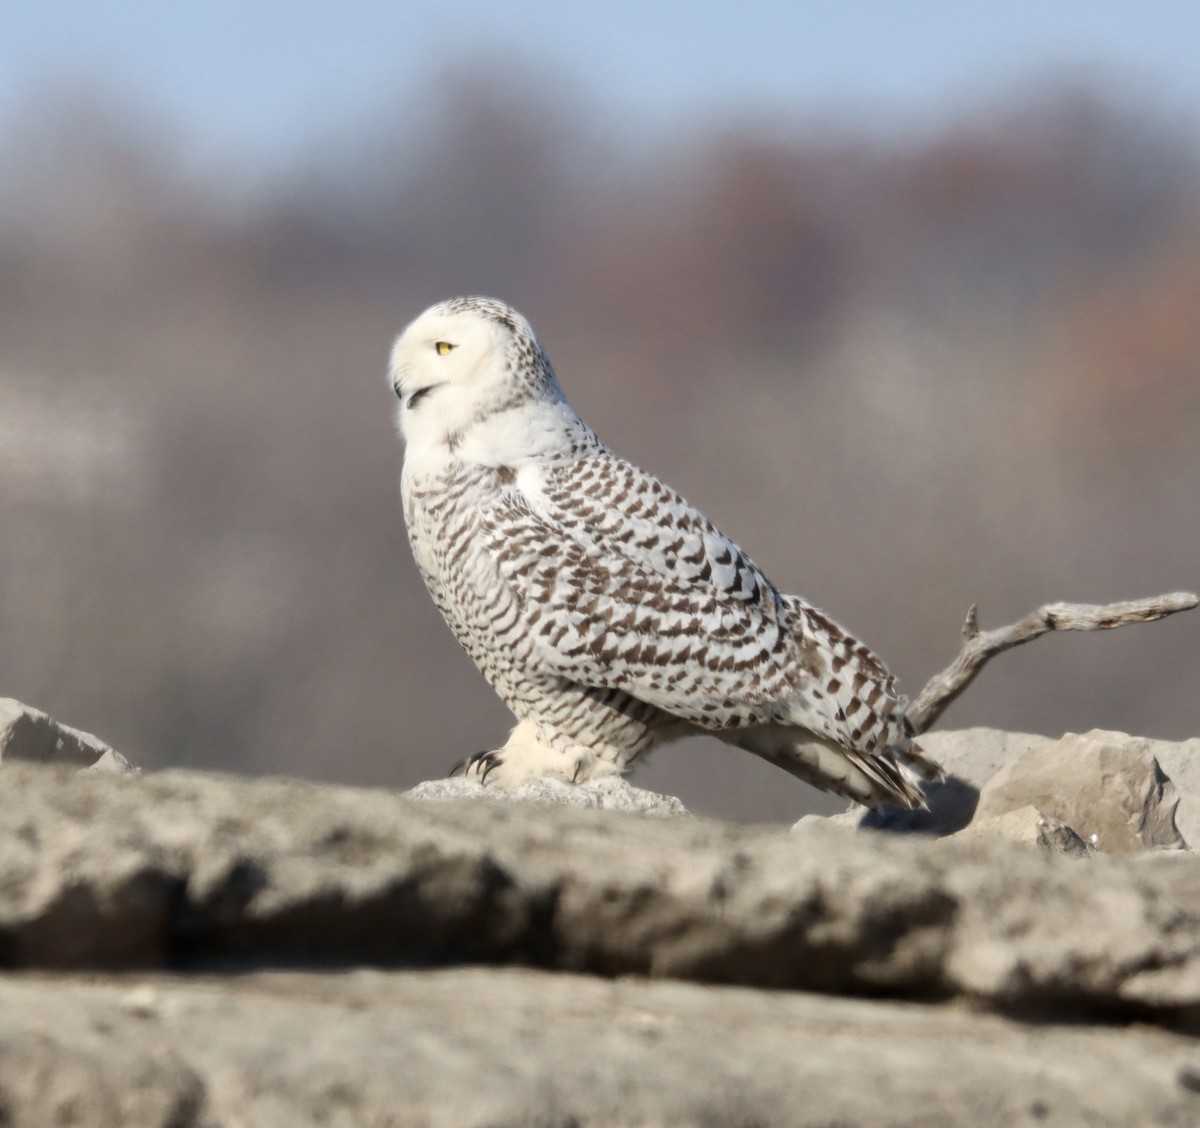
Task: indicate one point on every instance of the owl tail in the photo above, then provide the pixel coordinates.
(888, 776)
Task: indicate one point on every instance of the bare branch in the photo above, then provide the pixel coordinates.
(979, 646)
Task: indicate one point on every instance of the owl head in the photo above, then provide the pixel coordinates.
(463, 361)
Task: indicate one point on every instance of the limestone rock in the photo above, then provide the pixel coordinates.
(213, 874)
(1107, 787)
(972, 757)
(1033, 827)
(849, 819)
(1180, 760)
(208, 873)
(484, 1046)
(29, 734)
(179, 868)
(610, 794)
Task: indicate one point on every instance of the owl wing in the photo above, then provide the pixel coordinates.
(625, 586)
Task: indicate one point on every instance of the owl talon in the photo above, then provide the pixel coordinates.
(479, 764)
(464, 766)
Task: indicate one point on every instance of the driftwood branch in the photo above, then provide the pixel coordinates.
(979, 646)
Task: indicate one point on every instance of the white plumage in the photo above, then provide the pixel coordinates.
(609, 614)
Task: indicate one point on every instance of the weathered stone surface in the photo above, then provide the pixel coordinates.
(610, 794)
(1180, 760)
(1107, 787)
(112, 762)
(1033, 827)
(29, 734)
(1037, 766)
(181, 867)
(974, 755)
(480, 1046)
(61, 1066)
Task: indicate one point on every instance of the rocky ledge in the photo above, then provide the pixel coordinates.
(186, 949)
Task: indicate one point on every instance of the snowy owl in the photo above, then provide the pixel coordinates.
(610, 615)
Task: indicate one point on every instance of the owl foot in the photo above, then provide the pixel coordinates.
(525, 756)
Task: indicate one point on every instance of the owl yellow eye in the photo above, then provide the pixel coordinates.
(443, 347)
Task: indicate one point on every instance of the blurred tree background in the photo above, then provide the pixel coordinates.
(907, 374)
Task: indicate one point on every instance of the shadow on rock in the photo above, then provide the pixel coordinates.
(950, 806)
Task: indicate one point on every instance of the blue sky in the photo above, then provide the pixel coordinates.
(257, 81)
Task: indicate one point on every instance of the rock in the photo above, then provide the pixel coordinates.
(849, 819)
(30, 735)
(1107, 787)
(1181, 762)
(224, 877)
(609, 794)
(60, 1065)
(181, 868)
(113, 763)
(506, 1046)
(972, 757)
(1034, 827)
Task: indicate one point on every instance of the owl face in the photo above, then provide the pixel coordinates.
(446, 367)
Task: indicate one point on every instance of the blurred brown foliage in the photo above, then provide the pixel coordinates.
(906, 376)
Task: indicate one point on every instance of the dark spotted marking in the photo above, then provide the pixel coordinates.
(810, 656)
